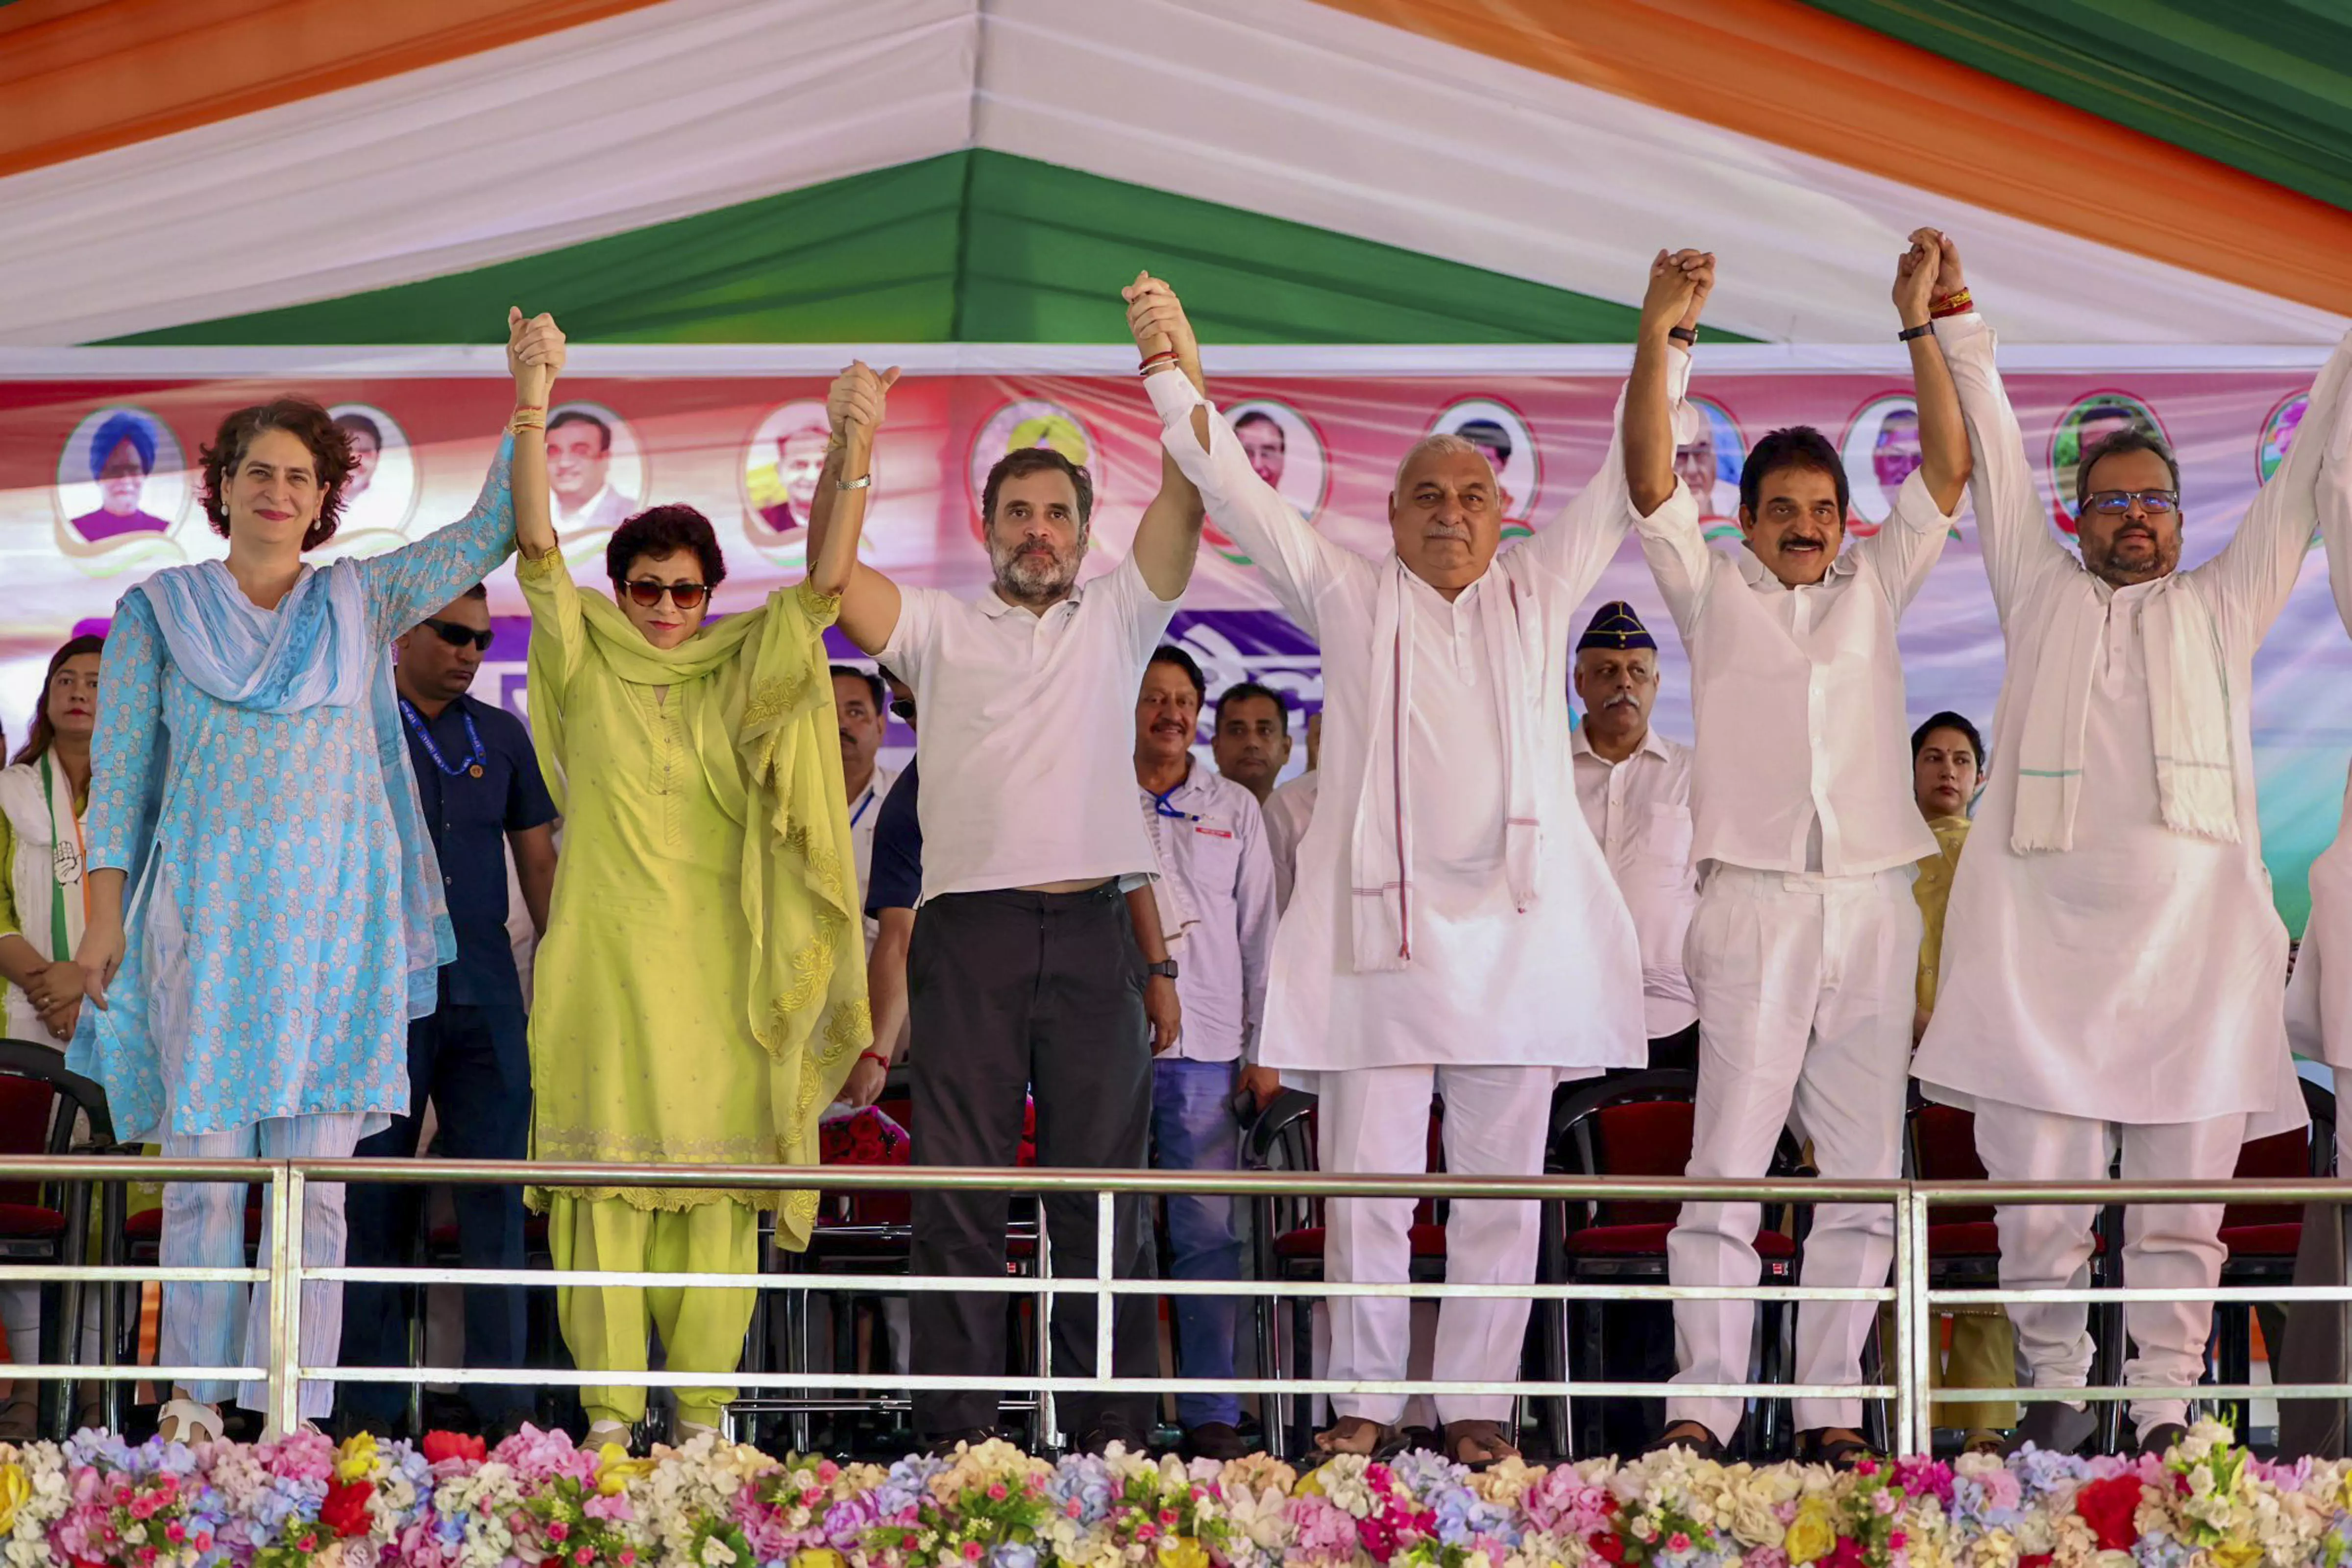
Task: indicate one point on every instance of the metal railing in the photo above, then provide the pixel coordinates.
(1908, 1288)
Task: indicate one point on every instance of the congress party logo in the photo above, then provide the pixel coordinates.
(2278, 433)
(1287, 452)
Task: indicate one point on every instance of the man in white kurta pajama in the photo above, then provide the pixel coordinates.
(1453, 927)
(1804, 950)
(2113, 965)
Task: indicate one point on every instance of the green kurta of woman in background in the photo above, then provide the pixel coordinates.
(700, 992)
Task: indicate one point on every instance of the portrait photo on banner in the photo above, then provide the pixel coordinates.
(595, 475)
(122, 488)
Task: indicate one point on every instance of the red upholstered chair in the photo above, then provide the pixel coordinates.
(1287, 1242)
(1638, 1125)
(47, 1222)
(2263, 1239)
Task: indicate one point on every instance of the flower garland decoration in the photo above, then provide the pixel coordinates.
(536, 1500)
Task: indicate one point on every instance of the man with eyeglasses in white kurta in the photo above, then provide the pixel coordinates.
(2113, 966)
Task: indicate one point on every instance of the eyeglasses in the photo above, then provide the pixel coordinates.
(458, 636)
(2116, 503)
(685, 595)
(904, 708)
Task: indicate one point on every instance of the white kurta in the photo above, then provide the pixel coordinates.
(1640, 812)
(1288, 812)
(1557, 985)
(42, 884)
(2138, 976)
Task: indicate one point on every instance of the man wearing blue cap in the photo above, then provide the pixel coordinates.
(1634, 786)
(1805, 947)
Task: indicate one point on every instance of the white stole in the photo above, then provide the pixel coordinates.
(2188, 710)
(1380, 857)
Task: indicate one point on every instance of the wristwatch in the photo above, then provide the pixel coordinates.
(1165, 969)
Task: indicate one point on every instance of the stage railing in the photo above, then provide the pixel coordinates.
(1912, 1203)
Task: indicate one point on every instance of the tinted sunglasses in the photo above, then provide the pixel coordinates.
(458, 636)
(685, 595)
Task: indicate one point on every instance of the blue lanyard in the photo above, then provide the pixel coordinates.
(1159, 804)
(472, 765)
(863, 801)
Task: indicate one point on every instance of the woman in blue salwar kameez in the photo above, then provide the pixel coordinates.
(266, 911)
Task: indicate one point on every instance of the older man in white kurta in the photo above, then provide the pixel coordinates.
(1453, 927)
(2113, 965)
(1806, 942)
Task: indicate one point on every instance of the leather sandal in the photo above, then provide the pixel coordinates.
(1839, 1449)
(1690, 1435)
(1359, 1434)
(1478, 1444)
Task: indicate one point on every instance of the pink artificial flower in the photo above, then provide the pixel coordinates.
(996, 1492)
(1678, 1542)
(584, 1556)
(971, 1550)
(558, 1531)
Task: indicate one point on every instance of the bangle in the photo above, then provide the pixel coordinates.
(1687, 337)
(1951, 305)
(1157, 361)
(1921, 330)
(853, 483)
(520, 422)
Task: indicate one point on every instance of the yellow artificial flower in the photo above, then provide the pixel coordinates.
(2236, 1554)
(817, 1557)
(1311, 1484)
(615, 1469)
(1183, 1551)
(1812, 1536)
(356, 1457)
(16, 1491)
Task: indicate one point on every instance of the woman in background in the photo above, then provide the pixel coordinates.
(265, 909)
(43, 794)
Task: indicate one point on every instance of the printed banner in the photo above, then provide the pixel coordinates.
(97, 490)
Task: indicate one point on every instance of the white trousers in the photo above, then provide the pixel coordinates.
(1805, 989)
(2047, 1246)
(204, 1227)
(1376, 1119)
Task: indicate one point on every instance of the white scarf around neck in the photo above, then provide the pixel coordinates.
(1380, 853)
(2188, 710)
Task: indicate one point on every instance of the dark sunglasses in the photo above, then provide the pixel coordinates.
(2116, 503)
(685, 595)
(904, 708)
(458, 636)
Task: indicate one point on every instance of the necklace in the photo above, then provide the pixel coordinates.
(472, 765)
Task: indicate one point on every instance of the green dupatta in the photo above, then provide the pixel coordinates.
(758, 708)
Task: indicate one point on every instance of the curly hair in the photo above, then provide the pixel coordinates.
(664, 530)
(313, 426)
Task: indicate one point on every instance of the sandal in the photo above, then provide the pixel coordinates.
(188, 1421)
(603, 1435)
(1478, 1444)
(1357, 1434)
(1837, 1447)
(1984, 1440)
(1692, 1434)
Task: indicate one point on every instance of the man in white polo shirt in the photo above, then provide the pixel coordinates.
(1634, 786)
(1805, 944)
(1216, 895)
(1454, 928)
(1025, 975)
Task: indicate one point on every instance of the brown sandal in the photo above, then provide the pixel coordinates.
(1357, 1434)
(1478, 1444)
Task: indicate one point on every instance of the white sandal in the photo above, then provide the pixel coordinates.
(190, 1421)
(602, 1434)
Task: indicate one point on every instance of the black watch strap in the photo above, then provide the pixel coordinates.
(1164, 969)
